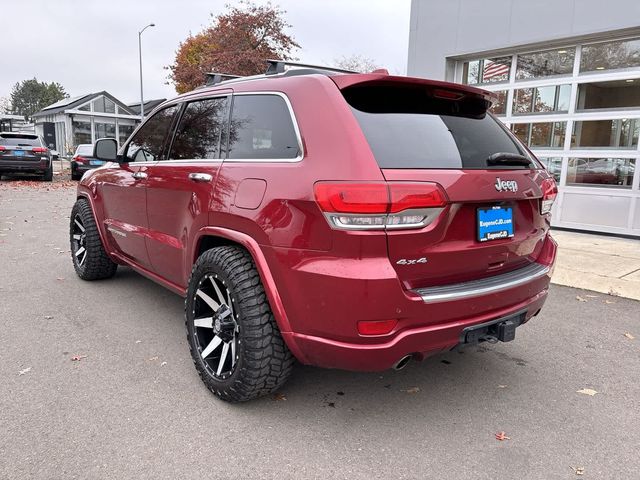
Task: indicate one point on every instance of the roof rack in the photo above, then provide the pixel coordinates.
(214, 78)
(278, 66)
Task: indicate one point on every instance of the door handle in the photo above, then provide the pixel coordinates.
(139, 175)
(200, 177)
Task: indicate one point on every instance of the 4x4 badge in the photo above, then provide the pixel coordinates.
(503, 185)
(411, 261)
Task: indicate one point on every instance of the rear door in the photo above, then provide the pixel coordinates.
(492, 222)
(124, 187)
(180, 185)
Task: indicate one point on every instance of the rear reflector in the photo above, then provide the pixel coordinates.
(549, 194)
(39, 150)
(376, 327)
(379, 205)
(80, 159)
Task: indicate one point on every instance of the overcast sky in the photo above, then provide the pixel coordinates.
(91, 45)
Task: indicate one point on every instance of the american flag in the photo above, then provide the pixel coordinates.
(494, 69)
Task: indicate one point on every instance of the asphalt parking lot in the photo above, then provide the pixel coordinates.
(133, 406)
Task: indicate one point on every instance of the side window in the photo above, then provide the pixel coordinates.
(201, 130)
(148, 142)
(261, 128)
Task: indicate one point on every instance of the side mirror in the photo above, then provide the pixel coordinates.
(106, 149)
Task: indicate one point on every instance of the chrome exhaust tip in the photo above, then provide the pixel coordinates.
(400, 364)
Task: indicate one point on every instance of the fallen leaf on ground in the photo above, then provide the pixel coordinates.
(580, 299)
(48, 317)
(502, 436)
(163, 364)
(279, 397)
(24, 371)
(152, 359)
(138, 341)
(587, 391)
(578, 470)
(412, 390)
(613, 293)
(608, 302)
(592, 296)
(629, 336)
(77, 358)
(60, 278)
(502, 386)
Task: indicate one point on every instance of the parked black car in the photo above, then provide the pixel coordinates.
(83, 160)
(25, 153)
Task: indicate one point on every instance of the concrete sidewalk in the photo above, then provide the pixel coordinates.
(596, 262)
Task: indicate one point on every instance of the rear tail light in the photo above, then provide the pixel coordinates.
(80, 159)
(379, 205)
(2, 148)
(39, 150)
(549, 193)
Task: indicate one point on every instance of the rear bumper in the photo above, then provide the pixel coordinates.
(420, 342)
(29, 166)
(324, 303)
(81, 167)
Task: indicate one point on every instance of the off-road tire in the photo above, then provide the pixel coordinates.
(264, 362)
(97, 265)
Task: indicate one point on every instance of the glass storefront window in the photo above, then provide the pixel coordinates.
(619, 133)
(614, 94)
(545, 64)
(85, 108)
(541, 99)
(487, 70)
(499, 107)
(104, 130)
(610, 55)
(81, 132)
(541, 134)
(611, 172)
(553, 165)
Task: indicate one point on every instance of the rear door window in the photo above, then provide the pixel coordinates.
(147, 145)
(262, 129)
(406, 128)
(201, 130)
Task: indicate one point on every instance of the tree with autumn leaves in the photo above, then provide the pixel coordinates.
(238, 42)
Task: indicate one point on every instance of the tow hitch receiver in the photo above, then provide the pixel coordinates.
(501, 329)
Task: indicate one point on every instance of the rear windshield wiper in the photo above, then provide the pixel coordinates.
(509, 159)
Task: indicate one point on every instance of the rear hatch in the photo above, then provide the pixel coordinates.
(422, 131)
(21, 147)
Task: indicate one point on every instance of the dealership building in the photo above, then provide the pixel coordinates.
(566, 74)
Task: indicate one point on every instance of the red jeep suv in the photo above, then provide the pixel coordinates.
(345, 220)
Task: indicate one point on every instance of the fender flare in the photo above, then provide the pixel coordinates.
(83, 193)
(268, 282)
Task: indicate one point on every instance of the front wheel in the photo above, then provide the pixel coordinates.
(233, 337)
(90, 260)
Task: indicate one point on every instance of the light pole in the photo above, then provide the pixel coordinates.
(140, 55)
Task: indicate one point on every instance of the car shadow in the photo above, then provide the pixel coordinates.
(446, 380)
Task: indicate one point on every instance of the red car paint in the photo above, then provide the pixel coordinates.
(321, 282)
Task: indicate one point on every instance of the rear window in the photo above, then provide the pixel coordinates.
(85, 150)
(408, 128)
(20, 140)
